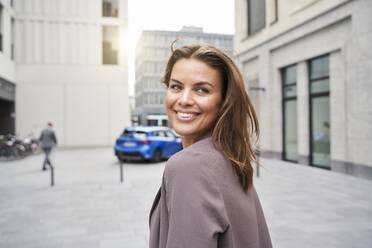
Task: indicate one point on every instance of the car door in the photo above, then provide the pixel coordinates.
(160, 139)
(173, 143)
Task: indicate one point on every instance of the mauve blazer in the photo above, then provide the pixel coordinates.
(201, 204)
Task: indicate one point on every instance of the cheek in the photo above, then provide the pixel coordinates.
(169, 101)
(211, 105)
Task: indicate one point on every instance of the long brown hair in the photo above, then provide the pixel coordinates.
(237, 124)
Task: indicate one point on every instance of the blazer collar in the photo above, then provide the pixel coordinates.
(154, 204)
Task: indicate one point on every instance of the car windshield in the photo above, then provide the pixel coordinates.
(135, 134)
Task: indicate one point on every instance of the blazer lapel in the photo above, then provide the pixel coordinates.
(155, 203)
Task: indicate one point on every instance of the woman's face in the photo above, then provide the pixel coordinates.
(193, 98)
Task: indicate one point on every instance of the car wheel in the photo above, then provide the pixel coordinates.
(157, 155)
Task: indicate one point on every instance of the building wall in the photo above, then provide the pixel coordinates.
(304, 30)
(7, 71)
(152, 52)
(7, 65)
(60, 73)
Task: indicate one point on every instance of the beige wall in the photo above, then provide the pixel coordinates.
(60, 76)
(89, 106)
(291, 13)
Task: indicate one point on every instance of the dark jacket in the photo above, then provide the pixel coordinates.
(48, 138)
(201, 204)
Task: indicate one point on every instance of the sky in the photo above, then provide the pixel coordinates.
(214, 16)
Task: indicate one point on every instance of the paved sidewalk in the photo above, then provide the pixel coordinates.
(88, 207)
(310, 207)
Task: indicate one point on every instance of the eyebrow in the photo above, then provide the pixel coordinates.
(197, 83)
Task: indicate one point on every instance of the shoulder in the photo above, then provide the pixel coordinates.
(196, 160)
(201, 152)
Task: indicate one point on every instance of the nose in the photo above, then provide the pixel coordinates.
(186, 98)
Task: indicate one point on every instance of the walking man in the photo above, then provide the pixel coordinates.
(48, 141)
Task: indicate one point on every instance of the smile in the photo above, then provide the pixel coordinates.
(183, 116)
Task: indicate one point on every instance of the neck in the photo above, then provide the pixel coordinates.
(189, 140)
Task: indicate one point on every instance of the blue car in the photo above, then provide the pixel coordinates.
(147, 143)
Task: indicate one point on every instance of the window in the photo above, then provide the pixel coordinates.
(319, 112)
(13, 39)
(110, 8)
(274, 12)
(110, 45)
(164, 123)
(1, 28)
(289, 89)
(256, 15)
(162, 133)
(152, 122)
(170, 134)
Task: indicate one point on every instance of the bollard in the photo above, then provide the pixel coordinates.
(51, 174)
(121, 171)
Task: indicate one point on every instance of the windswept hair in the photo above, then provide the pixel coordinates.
(237, 126)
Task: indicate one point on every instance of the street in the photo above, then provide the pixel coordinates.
(89, 207)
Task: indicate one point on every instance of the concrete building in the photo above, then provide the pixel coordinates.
(152, 51)
(7, 68)
(70, 67)
(308, 68)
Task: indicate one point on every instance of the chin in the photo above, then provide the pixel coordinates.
(192, 129)
(191, 132)
(185, 131)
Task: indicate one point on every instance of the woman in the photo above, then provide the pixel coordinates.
(207, 198)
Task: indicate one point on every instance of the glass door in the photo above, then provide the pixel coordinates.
(289, 91)
(320, 142)
(320, 131)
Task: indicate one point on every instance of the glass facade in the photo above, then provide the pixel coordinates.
(289, 89)
(319, 112)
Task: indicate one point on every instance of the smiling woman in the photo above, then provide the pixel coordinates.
(193, 98)
(207, 198)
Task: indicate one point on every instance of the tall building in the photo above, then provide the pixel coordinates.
(7, 68)
(70, 67)
(152, 52)
(307, 65)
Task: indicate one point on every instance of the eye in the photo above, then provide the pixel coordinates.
(202, 90)
(174, 87)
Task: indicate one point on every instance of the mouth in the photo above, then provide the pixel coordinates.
(186, 116)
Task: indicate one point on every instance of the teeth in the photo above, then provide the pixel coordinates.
(185, 115)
